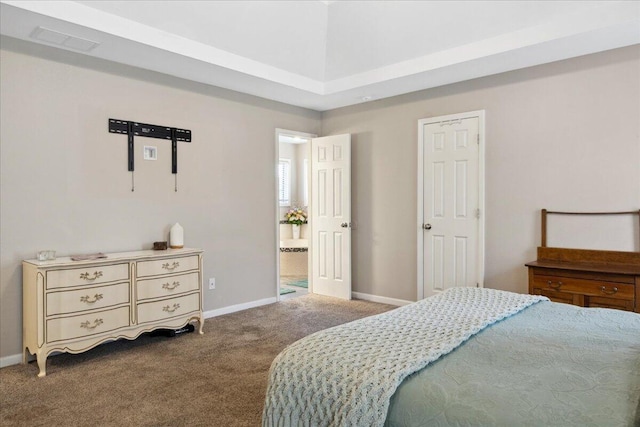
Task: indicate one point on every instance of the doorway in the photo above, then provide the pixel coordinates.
(292, 207)
(450, 202)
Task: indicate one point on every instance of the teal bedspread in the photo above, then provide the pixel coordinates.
(550, 365)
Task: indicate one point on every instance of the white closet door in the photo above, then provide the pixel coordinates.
(450, 204)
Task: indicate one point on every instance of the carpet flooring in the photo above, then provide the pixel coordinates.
(215, 379)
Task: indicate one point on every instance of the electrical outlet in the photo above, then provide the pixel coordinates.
(212, 283)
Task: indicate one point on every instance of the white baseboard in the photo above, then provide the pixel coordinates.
(238, 307)
(383, 300)
(14, 359)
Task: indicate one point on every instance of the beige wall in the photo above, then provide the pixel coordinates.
(65, 185)
(563, 136)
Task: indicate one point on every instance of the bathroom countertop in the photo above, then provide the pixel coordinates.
(294, 243)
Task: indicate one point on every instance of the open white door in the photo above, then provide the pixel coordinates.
(331, 215)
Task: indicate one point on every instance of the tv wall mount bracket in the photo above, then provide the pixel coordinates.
(132, 129)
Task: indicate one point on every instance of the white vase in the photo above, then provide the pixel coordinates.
(295, 230)
(176, 236)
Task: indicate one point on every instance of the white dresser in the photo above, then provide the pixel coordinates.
(72, 306)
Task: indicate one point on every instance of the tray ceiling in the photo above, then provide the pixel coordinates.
(326, 54)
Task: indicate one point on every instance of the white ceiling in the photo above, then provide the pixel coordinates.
(327, 54)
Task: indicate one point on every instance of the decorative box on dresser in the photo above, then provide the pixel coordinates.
(584, 277)
(73, 306)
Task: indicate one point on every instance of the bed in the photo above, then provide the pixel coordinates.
(531, 362)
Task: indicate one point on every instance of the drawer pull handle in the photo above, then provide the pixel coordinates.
(88, 299)
(171, 267)
(96, 323)
(171, 287)
(168, 309)
(611, 292)
(87, 276)
(554, 285)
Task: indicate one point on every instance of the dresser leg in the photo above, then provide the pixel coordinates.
(42, 364)
(201, 324)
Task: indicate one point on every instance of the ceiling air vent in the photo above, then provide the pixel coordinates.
(62, 39)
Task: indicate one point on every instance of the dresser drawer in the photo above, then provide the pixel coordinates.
(68, 301)
(619, 304)
(168, 265)
(585, 287)
(167, 286)
(554, 296)
(165, 309)
(93, 323)
(87, 275)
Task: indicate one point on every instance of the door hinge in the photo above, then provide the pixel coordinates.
(478, 138)
(477, 285)
(478, 213)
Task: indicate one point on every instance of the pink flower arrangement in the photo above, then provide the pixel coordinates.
(296, 216)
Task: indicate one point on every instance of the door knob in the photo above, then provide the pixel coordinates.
(426, 226)
(344, 225)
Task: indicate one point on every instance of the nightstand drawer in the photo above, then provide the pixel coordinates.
(67, 301)
(585, 287)
(166, 266)
(165, 309)
(167, 286)
(87, 275)
(93, 323)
